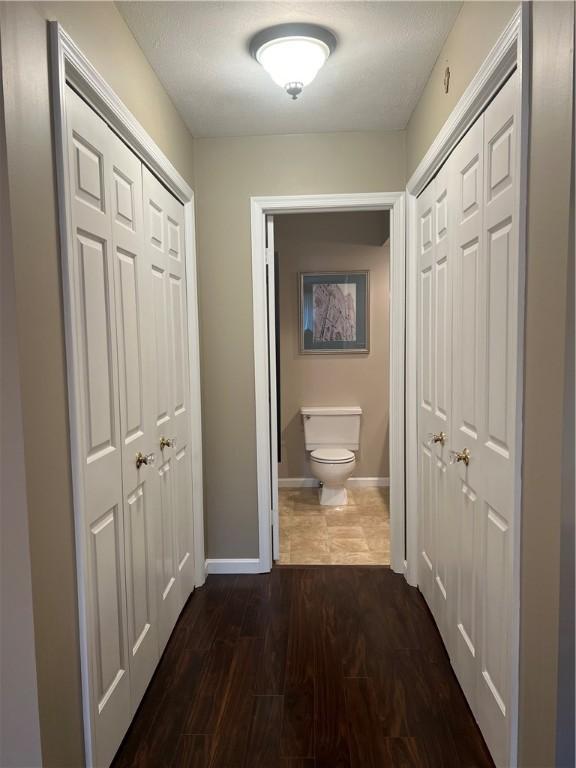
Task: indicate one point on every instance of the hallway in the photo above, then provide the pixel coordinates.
(318, 667)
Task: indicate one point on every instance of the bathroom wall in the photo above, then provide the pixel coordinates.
(322, 242)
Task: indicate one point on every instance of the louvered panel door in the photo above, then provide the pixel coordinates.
(164, 232)
(93, 311)
(498, 342)
(135, 360)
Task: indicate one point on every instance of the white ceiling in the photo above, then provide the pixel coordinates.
(372, 81)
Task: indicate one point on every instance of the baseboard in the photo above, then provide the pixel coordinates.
(369, 482)
(234, 565)
(353, 482)
(297, 482)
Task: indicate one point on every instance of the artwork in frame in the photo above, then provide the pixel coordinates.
(334, 312)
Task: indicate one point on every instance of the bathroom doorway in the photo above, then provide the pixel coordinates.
(332, 334)
(359, 238)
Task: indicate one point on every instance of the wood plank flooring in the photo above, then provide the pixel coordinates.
(305, 667)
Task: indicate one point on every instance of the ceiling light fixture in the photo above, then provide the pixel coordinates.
(292, 54)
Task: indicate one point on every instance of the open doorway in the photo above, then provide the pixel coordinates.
(332, 337)
(387, 489)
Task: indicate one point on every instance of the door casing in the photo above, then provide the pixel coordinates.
(263, 304)
(70, 66)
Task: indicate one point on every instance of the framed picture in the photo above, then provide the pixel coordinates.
(334, 312)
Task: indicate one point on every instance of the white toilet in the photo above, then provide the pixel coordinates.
(331, 435)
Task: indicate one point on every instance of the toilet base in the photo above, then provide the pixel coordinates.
(333, 497)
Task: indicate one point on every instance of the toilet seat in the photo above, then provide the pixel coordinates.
(332, 456)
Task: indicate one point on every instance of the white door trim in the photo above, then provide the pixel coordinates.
(70, 65)
(511, 52)
(260, 206)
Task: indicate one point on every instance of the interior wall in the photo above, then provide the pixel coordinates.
(228, 172)
(19, 722)
(101, 33)
(545, 368)
(326, 242)
(565, 700)
(475, 31)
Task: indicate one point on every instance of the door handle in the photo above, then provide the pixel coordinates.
(463, 455)
(146, 459)
(436, 438)
(167, 442)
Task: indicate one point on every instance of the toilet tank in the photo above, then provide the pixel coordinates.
(332, 427)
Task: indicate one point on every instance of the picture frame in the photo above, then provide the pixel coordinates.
(334, 312)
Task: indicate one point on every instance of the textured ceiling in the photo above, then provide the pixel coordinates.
(372, 81)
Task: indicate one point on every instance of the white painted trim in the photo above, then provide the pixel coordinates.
(523, 55)
(352, 482)
(397, 426)
(511, 51)
(235, 565)
(411, 394)
(195, 394)
(371, 201)
(70, 65)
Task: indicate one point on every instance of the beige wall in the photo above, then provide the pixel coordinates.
(476, 29)
(228, 171)
(325, 242)
(19, 721)
(101, 32)
(548, 257)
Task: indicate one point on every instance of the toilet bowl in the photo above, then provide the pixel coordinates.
(331, 436)
(332, 467)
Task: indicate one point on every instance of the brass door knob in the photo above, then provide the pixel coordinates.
(167, 442)
(146, 459)
(456, 456)
(436, 438)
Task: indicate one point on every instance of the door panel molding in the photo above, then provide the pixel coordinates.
(501, 428)
(71, 68)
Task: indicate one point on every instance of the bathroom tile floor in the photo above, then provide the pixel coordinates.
(357, 534)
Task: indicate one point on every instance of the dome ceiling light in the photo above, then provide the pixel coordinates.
(292, 54)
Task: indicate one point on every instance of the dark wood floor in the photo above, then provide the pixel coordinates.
(311, 667)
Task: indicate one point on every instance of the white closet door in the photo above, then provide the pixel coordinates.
(180, 394)
(442, 400)
(498, 337)
(485, 392)
(436, 528)
(468, 385)
(164, 233)
(467, 165)
(135, 358)
(426, 314)
(100, 443)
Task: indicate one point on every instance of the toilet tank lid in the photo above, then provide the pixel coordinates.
(349, 410)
